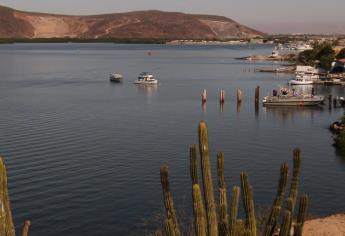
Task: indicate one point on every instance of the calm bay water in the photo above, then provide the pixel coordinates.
(83, 154)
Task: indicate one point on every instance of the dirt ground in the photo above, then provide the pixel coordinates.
(329, 226)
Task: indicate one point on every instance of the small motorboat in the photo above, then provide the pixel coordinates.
(116, 77)
(146, 78)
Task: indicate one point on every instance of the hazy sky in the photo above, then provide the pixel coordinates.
(271, 16)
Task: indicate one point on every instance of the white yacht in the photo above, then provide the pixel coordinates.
(301, 79)
(146, 78)
(116, 77)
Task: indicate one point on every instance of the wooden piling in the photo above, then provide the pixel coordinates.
(204, 96)
(221, 96)
(257, 95)
(330, 101)
(239, 96)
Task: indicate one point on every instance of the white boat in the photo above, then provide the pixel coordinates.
(301, 79)
(303, 47)
(146, 78)
(115, 77)
(287, 97)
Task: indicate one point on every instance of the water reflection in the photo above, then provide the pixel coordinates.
(147, 90)
(203, 107)
(286, 113)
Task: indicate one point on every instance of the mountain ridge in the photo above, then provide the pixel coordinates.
(135, 24)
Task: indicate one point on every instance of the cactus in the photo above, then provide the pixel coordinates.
(275, 211)
(223, 228)
(295, 177)
(271, 224)
(223, 202)
(193, 165)
(169, 227)
(240, 228)
(200, 221)
(286, 226)
(27, 225)
(220, 170)
(207, 181)
(248, 204)
(6, 221)
(302, 213)
(234, 210)
(168, 202)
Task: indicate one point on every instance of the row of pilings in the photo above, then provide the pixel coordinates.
(238, 96)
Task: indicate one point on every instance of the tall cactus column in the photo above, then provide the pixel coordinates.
(248, 204)
(171, 224)
(6, 222)
(211, 213)
(223, 202)
(295, 177)
(275, 211)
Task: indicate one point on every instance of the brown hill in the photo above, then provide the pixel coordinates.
(140, 24)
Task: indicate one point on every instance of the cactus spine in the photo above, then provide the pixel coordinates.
(234, 210)
(193, 164)
(302, 213)
(207, 181)
(248, 204)
(6, 222)
(200, 221)
(275, 211)
(295, 177)
(171, 223)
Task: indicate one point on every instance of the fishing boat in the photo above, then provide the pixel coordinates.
(288, 97)
(116, 77)
(146, 78)
(301, 79)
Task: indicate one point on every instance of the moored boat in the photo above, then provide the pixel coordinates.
(301, 79)
(116, 77)
(146, 78)
(287, 97)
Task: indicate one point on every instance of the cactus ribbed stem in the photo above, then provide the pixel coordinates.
(302, 213)
(234, 210)
(200, 221)
(286, 226)
(223, 228)
(211, 213)
(6, 221)
(223, 202)
(168, 201)
(275, 211)
(26, 228)
(193, 164)
(169, 227)
(248, 204)
(220, 170)
(295, 177)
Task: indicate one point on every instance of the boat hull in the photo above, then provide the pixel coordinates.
(295, 82)
(146, 82)
(275, 101)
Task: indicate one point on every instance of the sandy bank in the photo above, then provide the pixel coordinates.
(329, 226)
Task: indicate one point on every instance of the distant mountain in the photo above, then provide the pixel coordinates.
(139, 24)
